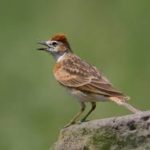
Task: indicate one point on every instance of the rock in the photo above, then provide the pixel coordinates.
(131, 132)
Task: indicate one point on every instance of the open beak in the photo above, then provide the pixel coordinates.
(43, 43)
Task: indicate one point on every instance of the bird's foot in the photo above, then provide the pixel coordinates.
(82, 120)
(69, 124)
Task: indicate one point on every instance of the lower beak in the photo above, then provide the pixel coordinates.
(41, 49)
(42, 43)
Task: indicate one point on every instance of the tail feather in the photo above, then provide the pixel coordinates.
(124, 103)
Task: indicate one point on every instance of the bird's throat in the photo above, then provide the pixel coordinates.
(59, 56)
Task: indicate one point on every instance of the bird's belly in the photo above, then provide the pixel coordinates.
(85, 97)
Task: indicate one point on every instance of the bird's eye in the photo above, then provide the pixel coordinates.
(54, 43)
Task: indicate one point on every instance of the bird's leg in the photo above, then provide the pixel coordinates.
(92, 109)
(73, 121)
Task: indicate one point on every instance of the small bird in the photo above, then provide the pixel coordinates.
(81, 79)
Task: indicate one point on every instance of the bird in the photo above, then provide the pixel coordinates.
(81, 79)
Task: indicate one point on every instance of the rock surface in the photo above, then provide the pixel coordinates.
(130, 132)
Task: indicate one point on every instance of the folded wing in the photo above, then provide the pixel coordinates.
(81, 75)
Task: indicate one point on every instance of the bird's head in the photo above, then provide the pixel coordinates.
(57, 46)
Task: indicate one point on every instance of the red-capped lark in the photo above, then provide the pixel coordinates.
(81, 79)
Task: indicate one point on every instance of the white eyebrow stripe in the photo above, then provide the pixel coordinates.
(48, 42)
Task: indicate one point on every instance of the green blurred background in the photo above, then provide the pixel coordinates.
(113, 35)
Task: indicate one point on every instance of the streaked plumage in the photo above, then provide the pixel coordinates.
(82, 80)
(75, 73)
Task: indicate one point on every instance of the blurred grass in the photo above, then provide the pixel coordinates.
(113, 35)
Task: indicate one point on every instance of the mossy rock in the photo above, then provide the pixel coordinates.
(130, 132)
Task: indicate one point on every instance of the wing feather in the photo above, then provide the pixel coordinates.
(79, 74)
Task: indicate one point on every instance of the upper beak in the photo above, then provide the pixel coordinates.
(43, 43)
